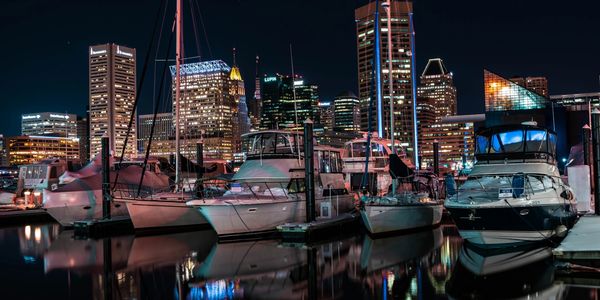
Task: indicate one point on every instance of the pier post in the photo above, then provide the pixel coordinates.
(585, 141)
(312, 272)
(436, 157)
(596, 158)
(105, 178)
(309, 171)
(108, 271)
(200, 168)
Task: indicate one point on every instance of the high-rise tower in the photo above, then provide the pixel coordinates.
(240, 116)
(255, 105)
(401, 66)
(437, 86)
(112, 79)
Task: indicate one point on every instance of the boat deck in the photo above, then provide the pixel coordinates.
(582, 242)
(318, 228)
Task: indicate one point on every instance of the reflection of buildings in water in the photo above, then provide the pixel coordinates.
(35, 239)
(442, 260)
(506, 273)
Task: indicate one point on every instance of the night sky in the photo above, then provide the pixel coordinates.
(45, 43)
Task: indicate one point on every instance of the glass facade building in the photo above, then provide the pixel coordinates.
(23, 150)
(502, 94)
(346, 114)
(49, 124)
(438, 86)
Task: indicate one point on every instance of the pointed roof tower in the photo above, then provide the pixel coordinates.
(235, 71)
(435, 66)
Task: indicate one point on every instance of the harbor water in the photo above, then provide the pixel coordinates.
(41, 261)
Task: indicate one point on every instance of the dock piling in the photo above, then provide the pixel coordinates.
(105, 178)
(309, 171)
(200, 169)
(596, 158)
(585, 141)
(436, 157)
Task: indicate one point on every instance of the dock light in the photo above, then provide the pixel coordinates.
(564, 160)
(27, 195)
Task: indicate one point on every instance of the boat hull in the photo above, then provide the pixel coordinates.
(504, 225)
(156, 214)
(68, 207)
(389, 218)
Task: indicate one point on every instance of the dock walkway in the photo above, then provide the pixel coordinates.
(582, 242)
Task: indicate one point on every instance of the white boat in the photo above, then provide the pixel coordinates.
(268, 189)
(414, 203)
(79, 196)
(168, 210)
(514, 193)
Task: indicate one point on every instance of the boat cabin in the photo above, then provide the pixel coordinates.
(42, 175)
(515, 143)
(272, 144)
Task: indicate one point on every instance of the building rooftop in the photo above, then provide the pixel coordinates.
(435, 66)
(202, 67)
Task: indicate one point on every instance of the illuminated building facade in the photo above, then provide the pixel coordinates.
(536, 84)
(280, 110)
(3, 152)
(112, 90)
(437, 85)
(502, 94)
(162, 139)
(402, 70)
(255, 105)
(577, 102)
(346, 113)
(83, 134)
(325, 117)
(49, 124)
(241, 121)
(207, 109)
(24, 150)
(456, 142)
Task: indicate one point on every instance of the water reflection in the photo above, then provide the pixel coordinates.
(428, 264)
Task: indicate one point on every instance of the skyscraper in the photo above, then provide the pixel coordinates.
(207, 109)
(438, 86)
(401, 65)
(240, 118)
(346, 115)
(112, 79)
(49, 124)
(255, 105)
(287, 102)
(325, 116)
(83, 134)
(537, 84)
(162, 137)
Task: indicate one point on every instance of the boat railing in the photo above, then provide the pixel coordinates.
(256, 191)
(498, 187)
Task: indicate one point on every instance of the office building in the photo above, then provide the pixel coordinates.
(83, 134)
(112, 91)
(241, 122)
(3, 152)
(49, 124)
(326, 115)
(25, 149)
(346, 113)
(207, 109)
(255, 104)
(536, 84)
(287, 102)
(162, 137)
(437, 84)
(502, 94)
(401, 32)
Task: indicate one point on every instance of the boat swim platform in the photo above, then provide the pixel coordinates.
(319, 229)
(103, 227)
(582, 243)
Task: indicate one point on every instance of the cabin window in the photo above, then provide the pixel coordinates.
(496, 144)
(536, 140)
(512, 140)
(482, 144)
(296, 185)
(53, 172)
(359, 150)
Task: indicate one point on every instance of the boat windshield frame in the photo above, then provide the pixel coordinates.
(272, 144)
(516, 143)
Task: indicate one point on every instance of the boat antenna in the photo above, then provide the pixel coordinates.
(178, 61)
(295, 104)
(411, 29)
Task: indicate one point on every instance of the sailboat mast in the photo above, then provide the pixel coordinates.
(387, 6)
(378, 71)
(414, 89)
(178, 60)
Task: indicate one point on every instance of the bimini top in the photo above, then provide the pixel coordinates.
(272, 144)
(515, 142)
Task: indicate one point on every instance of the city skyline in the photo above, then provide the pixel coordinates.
(468, 37)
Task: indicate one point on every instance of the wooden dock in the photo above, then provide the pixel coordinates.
(14, 216)
(317, 229)
(582, 244)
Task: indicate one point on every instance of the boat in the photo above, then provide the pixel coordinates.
(78, 195)
(414, 202)
(167, 210)
(268, 189)
(514, 194)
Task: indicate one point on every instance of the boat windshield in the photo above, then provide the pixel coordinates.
(359, 149)
(494, 187)
(328, 161)
(517, 141)
(267, 144)
(34, 172)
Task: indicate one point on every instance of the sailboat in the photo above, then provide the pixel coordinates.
(415, 204)
(165, 210)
